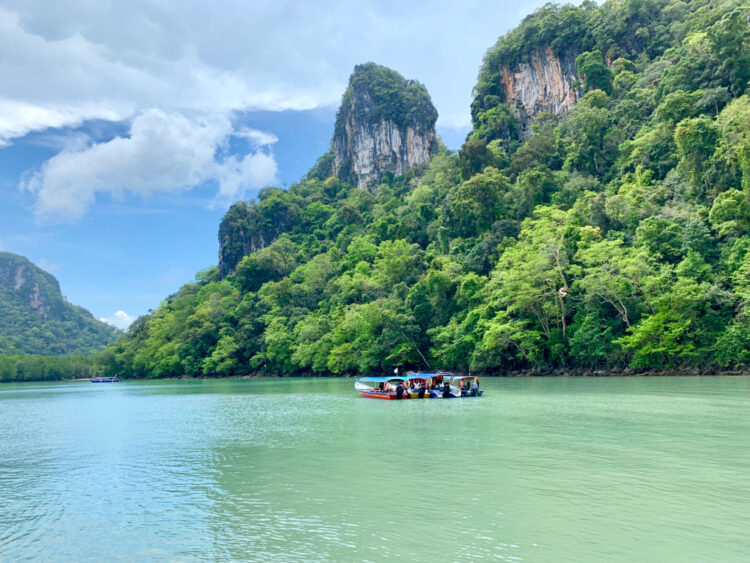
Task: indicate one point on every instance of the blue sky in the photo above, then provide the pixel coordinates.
(128, 128)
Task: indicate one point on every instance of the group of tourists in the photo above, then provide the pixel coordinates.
(433, 386)
(419, 386)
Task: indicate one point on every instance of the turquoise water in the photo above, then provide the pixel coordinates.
(545, 469)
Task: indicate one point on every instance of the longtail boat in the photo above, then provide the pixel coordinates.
(113, 379)
(440, 385)
(418, 385)
(463, 386)
(380, 387)
(433, 383)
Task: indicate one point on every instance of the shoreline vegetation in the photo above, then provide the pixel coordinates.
(558, 373)
(575, 373)
(27, 368)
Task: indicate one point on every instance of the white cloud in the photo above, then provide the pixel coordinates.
(18, 118)
(165, 152)
(236, 175)
(256, 137)
(119, 320)
(66, 61)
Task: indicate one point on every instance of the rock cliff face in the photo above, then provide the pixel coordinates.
(385, 124)
(24, 279)
(543, 84)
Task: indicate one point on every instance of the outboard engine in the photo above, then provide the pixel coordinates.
(399, 391)
(446, 390)
(421, 391)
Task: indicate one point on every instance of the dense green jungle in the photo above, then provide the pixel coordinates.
(42, 335)
(615, 238)
(37, 319)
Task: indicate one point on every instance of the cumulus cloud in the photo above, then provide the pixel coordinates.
(164, 152)
(120, 319)
(67, 61)
(236, 175)
(19, 118)
(256, 137)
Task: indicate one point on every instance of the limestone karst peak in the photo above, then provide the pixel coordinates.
(385, 124)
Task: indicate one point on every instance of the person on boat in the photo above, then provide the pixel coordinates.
(475, 387)
(381, 387)
(399, 391)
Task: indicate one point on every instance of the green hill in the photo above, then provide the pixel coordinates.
(598, 216)
(36, 318)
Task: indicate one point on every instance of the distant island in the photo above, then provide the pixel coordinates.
(42, 335)
(596, 220)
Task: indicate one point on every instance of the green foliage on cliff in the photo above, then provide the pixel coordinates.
(619, 236)
(636, 31)
(380, 93)
(594, 72)
(36, 318)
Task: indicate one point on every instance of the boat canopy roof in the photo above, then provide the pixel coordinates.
(382, 379)
(412, 376)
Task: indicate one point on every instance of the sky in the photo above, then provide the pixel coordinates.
(128, 127)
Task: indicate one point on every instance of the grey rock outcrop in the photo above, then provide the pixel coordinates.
(539, 81)
(543, 83)
(385, 125)
(31, 286)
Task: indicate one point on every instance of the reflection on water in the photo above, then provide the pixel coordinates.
(536, 470)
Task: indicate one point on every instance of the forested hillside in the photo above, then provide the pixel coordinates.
(606, 228)
(37, 319)
(42, 336)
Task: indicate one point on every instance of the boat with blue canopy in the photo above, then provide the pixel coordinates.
(418, 385)
(381, 387)
(433, 383)
(463, 386)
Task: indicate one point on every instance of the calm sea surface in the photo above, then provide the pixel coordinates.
(547, 469)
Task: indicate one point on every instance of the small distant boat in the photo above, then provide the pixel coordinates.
(113, 379)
